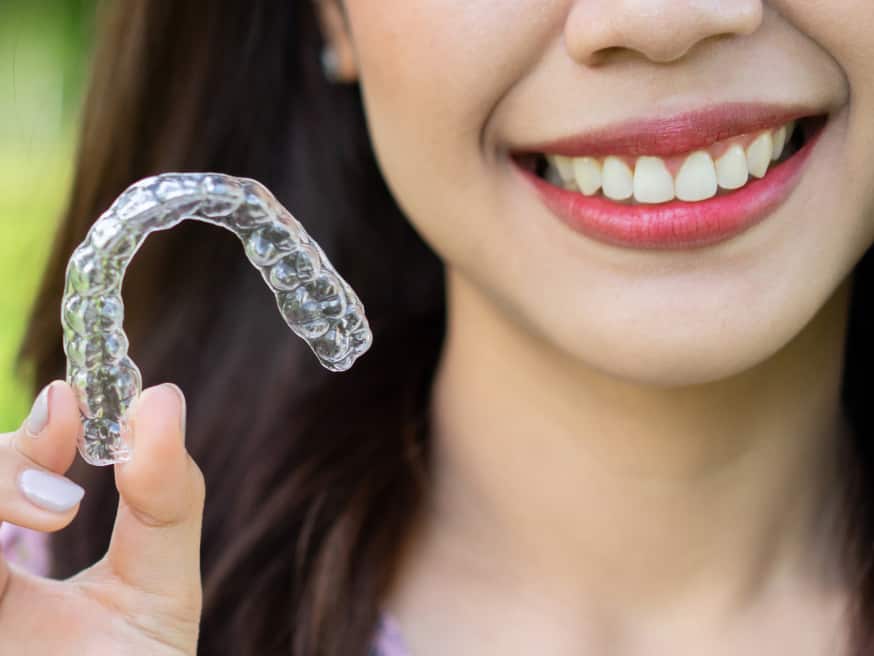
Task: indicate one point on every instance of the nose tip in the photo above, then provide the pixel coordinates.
(662, 31)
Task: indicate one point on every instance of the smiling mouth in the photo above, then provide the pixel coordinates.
(720, 169)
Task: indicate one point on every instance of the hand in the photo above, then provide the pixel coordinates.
(144, 597)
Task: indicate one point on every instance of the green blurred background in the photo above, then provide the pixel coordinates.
(44, 56)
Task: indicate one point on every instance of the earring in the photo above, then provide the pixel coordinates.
(330, 64)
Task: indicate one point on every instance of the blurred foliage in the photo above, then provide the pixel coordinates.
(44, 51)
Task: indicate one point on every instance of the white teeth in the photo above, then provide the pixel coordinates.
(779, 143)
(731, 168)
(587, 172)
(617, 179)
(653, 183)
(697, 177)
(650, 180)
(552, 175)
(759, 154)
(565, 166)
(790, 130)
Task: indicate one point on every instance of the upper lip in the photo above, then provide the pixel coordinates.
(664, 136)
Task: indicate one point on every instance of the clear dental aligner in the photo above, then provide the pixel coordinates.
(316, 303)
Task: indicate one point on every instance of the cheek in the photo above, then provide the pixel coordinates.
(844, 31)
(456, 56)
(424, 70)
(432, 72)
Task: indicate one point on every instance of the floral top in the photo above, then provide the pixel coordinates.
(29, 550)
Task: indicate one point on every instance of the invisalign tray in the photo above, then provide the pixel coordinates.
(316, 303)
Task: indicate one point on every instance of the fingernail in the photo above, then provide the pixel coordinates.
(39, 413)
(50, 491)
(182, 405)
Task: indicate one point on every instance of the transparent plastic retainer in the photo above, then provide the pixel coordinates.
(316, 303)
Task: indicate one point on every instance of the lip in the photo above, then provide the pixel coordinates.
(675, 224)
(675, 135)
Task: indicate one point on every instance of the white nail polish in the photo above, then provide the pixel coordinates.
(49, 491)
(39, 413)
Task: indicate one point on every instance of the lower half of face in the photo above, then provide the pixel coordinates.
(650, 264)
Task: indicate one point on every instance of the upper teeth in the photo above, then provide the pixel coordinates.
(697, 178)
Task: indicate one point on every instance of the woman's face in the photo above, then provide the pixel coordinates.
(454, 89)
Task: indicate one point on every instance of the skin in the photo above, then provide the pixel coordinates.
(635, 452)
(144, 596)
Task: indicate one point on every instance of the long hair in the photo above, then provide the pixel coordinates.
(313, 477)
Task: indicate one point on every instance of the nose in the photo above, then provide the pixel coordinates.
(660, 30)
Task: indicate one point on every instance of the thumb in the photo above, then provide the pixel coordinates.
(155, 544)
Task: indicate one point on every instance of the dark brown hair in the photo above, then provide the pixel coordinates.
(312, 476)
(307, 504)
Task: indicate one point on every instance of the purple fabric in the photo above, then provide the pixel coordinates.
(29, 550)
(25, 548)
(389, 641)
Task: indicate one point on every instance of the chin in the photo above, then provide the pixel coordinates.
(672, 358)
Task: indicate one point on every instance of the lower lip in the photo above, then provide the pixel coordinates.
(676, 224)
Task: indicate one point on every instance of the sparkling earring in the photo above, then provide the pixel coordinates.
(330, 64)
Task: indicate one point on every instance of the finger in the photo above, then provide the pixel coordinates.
(49, 434)
(155, 544)
(33, 493)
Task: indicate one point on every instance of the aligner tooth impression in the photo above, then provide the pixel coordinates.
(315, 302)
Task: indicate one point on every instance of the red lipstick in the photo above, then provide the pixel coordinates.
(675, 224)
(675, 135)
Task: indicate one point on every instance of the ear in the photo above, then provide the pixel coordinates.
(335, 32)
